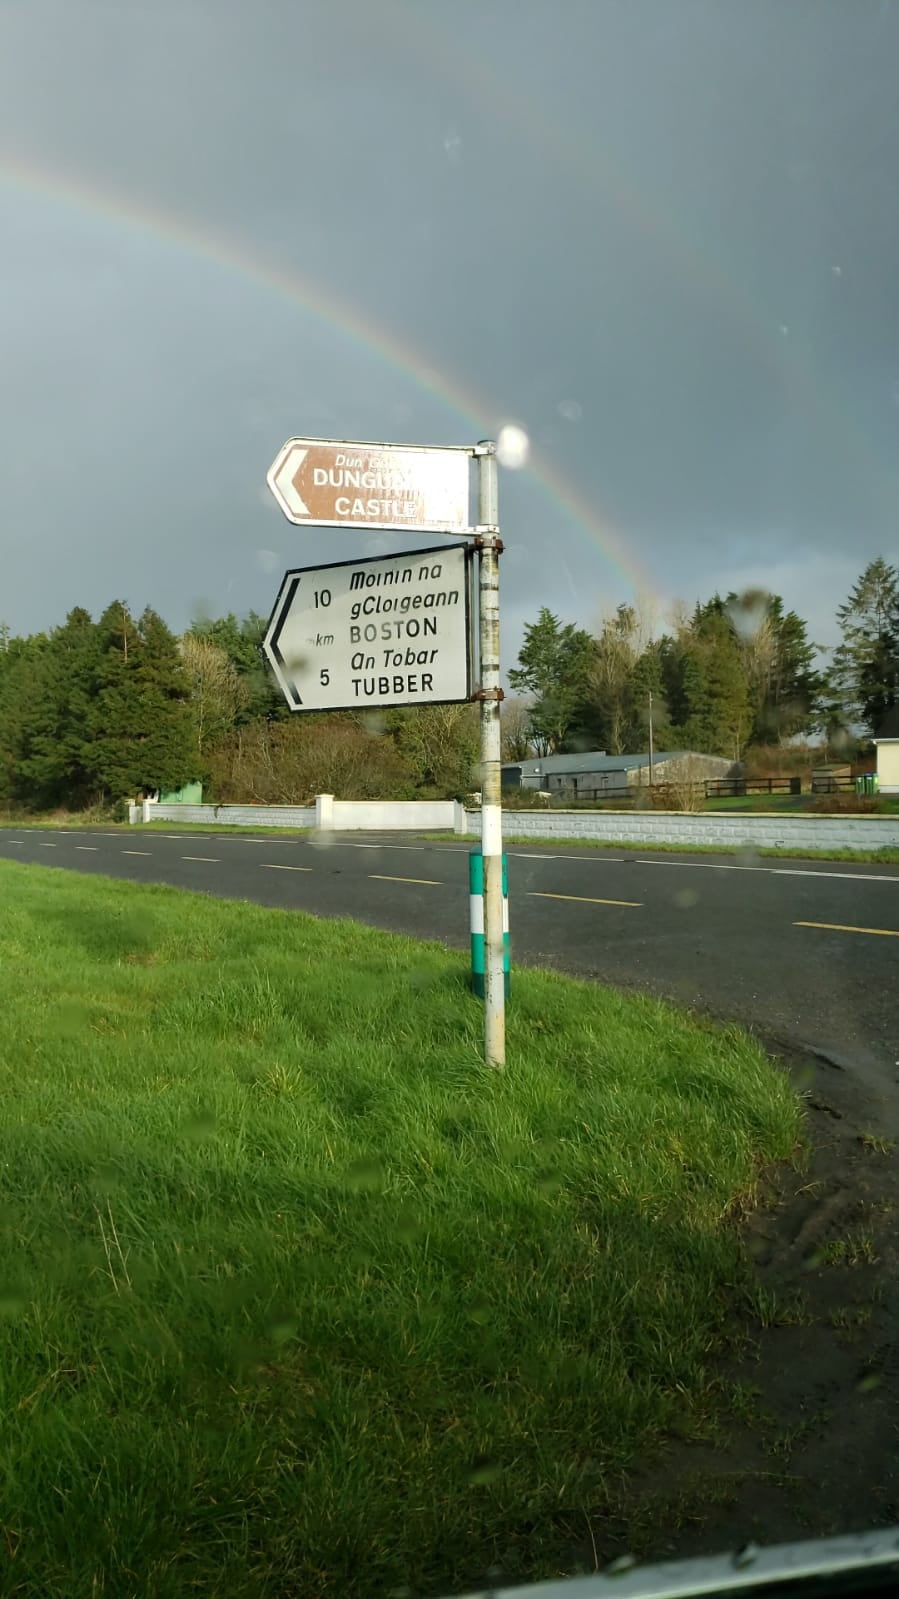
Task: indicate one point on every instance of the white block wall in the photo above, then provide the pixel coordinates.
(743, 830)
(384, 816)
(234, 815)
(389, 816)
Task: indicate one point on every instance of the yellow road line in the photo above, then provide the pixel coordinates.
(840, 927)
(584, 899)
(213, 859)
(383, 877)
(275, 866)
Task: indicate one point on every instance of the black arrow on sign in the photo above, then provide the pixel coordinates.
(292, 587)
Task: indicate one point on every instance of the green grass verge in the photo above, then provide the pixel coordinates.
(217, 827)
(296, 1296)
(796, 805)
(888, 856)
(71, 823)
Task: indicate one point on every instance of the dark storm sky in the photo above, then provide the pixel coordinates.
(660, 235)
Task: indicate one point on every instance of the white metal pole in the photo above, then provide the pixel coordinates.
(651, 752)
(489, 547)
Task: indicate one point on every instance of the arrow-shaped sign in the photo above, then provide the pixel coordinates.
(389, 630)
(333, 483)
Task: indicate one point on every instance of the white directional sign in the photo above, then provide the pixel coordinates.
(332, 483)
(389, 631)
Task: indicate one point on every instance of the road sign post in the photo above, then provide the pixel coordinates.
(490, 695)
(396, 630)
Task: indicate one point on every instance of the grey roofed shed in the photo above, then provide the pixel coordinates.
(578, 765)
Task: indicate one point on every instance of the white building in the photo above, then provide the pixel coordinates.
(887, 743)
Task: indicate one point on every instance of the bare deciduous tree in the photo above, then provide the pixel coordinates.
(216, 691)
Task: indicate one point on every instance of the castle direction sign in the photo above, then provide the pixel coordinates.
(332, 483)
(393, 630)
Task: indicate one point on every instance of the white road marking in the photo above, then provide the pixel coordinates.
(586, 899)
(840, 927)
(42, 845)
(771, 871)
(851, 877)
(212, 859)
(235, 838)
(92, 847)
(428, 882)
(275, 866)
(518, 856)
(137, 852)
(416, 848)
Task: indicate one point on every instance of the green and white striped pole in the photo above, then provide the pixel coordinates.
(476, 911)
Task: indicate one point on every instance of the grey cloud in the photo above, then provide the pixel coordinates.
(595, 223)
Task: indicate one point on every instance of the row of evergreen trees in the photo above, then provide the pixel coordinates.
(734, 672)
(95, 711)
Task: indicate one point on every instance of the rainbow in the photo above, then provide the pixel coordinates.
(318, 301)
(720, 281)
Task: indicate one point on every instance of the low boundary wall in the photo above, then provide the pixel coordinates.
(746, 830)
(384, 816)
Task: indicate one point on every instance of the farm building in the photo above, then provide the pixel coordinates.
(594, 774)
(887, 743)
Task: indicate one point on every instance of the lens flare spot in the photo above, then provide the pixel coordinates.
(513, 447)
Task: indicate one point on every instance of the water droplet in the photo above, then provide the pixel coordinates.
(284, 1329)
(623, 1564)
(200, 1125)
(364, 1174)
(480, 1310)
(512, 447)
(686, 899)
(572, 410)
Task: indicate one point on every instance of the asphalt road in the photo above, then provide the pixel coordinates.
(807, 954)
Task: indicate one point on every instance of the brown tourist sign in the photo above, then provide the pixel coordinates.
(332, 483)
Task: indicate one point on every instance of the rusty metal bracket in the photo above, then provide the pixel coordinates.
(487, 539)
(488, 694)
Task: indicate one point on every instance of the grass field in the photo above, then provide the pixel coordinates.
(297, 1298)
